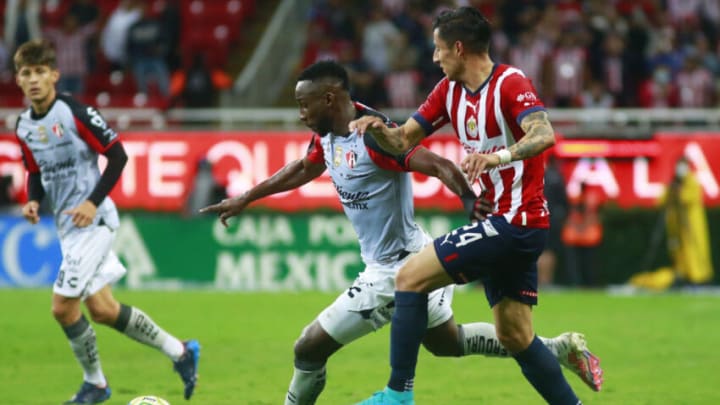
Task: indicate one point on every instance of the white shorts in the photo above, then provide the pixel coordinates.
(88, 262)
(369, 303)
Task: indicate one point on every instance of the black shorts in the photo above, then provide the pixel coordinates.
(501, 255)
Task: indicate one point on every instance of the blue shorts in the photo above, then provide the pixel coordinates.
(501, 255)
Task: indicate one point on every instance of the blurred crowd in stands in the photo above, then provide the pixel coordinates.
(578, 53)
(128, 53)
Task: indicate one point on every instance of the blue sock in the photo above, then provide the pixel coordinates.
(409, 323)
(542, 369)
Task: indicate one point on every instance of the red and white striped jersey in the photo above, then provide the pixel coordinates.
(486, 121)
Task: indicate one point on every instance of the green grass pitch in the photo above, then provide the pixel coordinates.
(659, 349)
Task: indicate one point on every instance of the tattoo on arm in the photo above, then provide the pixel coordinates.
(539, 135)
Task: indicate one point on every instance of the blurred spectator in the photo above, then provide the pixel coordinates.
(22, 22)
(558, 204)
(171, 20)
(402, 82)
(695, 84)
(87, 12)
(686, 229)
(198, 86)
(379, 38)
(595, 95)
(569, 67)
(582, 235)
(5, 68)
(114, 36)
(365, 86)
(531, 55)
(146, 52)
(658, 91)
(71, 53)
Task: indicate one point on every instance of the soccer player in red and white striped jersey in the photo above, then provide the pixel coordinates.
(497, 116)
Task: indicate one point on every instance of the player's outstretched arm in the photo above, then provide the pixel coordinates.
(426, 162)
(393, 140)
(292, 176)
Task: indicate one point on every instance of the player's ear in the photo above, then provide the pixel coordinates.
(459, 48)
(330, 98)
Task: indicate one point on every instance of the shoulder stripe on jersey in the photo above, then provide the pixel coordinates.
(384, 159)
(27, 156)
(90, 138)
(426, 126)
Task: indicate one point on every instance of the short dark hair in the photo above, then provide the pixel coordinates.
(467, 25)
(35, 52)
(326, 69)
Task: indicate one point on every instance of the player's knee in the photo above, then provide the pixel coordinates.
(513, 340)
(406, 280)
(102, 314)
(60, 313)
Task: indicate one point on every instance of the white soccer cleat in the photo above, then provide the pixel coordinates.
(574, 354)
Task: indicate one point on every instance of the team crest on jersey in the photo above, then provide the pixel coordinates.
(58, 130)
(42, 134)
(471, 127)
(337, 157)
(351, 159)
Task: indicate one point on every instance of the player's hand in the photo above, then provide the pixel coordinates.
(84, 214)
(30, 212)
(369, 123)
(475, 163)
(478, 208)
(227, 208)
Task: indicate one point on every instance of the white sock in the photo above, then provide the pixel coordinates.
(305, 386)
(138, 325)
(84, 345)
(481, 338)
(550, 344)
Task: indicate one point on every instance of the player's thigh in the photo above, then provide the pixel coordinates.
(422, 272)
(84, 252)
(363, 308)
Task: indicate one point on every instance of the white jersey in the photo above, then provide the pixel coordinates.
(375, 190)
(63, 145)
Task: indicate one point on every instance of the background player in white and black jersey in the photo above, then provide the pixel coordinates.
(376, 192)
(60, 140)
(496, 114)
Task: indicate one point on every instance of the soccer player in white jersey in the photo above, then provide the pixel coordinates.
(60, 140)
(375, 190)
(498, 117)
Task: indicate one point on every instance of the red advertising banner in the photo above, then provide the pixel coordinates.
(161, 167)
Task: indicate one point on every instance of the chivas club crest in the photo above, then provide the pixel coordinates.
(351, 159)
(471, 127)
(58, 129)
(337, 157)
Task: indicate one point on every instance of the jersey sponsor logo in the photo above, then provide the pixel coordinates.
(351, 159)
(528, 97)
(356, 200)
(55, 167)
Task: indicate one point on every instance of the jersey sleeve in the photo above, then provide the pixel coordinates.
(432, 114)
(519, 97)
(315, 150)
(385, 160)
(91, 126)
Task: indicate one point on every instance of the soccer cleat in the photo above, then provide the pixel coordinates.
(90, 394)
(187, 366)
(389, 397)
(574, 355)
